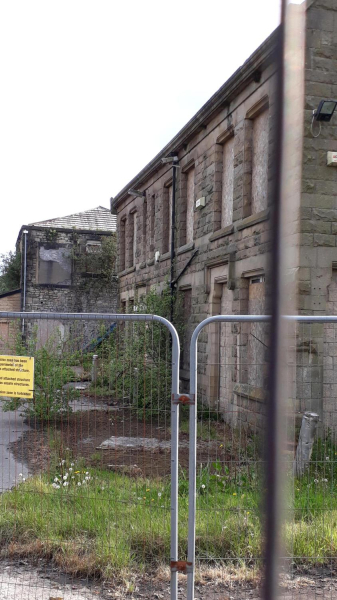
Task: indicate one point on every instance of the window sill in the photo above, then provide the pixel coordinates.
(185, 248)
(222, 233)
(248, 391)
(253, 220)
(127, 271)
(55, 285)
(165, 256)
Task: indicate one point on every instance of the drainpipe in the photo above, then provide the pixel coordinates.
(25, 232)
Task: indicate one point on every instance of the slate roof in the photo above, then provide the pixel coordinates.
(96, 218)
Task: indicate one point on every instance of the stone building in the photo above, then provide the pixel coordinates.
(222, 226)
(69, 268)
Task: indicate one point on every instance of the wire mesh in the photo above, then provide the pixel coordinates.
(85, 464)
(232, 397)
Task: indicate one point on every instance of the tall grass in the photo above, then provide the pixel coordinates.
(113, 522)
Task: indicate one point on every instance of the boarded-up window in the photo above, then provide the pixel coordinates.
(55, 266)
(145, 229)
(132, 224)
(122, 245)
(170, 197)
(152, 223)
(190, 206)
(134, 245)
(260, 162)
(258, 341)
(227, 183)
(187, 312)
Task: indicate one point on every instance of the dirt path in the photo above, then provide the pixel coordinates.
(20, 581)
(23, 582)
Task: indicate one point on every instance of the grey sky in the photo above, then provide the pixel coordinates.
(91, 91)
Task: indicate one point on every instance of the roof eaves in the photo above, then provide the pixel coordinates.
(241, 76)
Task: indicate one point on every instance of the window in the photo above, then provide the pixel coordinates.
(258, 341)
(122, 244)
(170, 198)
(133, 239)
(227, 183)
(54, 266)
(93, 257)
(187, 312)
(260, 162)
(166, 217)
(144, 229)
(152, 222)
(93, 247)
(190, 206)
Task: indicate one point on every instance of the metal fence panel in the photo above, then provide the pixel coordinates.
(227, 459)
(89, 475)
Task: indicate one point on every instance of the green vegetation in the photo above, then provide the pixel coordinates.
(135, 361)
(52, 372)
(10, 271)
(99, 523)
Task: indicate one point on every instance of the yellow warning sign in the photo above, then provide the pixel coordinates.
(17, 376)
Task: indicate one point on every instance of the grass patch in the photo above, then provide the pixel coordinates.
(100, 523)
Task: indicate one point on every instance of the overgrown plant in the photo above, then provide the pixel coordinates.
(52, 371)
(135, 362)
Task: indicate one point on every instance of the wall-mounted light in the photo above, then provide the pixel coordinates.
(325, 110)
(170, 159)
(136, 193)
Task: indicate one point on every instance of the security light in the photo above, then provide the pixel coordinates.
(170, 159)
(136, 193)
(325, 110)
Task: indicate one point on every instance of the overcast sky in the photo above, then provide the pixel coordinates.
(92, 90)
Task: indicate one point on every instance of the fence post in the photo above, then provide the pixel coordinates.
(305, 443)
(94, 368)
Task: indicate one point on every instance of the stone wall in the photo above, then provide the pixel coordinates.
(237, 254)
(223, 259)
(318, 254)
(71, 287)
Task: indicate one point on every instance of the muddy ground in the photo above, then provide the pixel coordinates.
(84, 432)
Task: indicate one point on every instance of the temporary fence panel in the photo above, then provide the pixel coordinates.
(89, 454)
(227, 460)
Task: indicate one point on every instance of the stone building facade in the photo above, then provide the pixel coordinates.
(69, 266)
(222, 227)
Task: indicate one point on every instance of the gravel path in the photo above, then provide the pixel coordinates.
(28, 583)
(20, 581)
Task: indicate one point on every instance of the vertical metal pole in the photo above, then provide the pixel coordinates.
(192, 469)
(174, 461)
(25, 232)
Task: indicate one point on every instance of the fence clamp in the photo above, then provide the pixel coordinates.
(181, 566)
(183, 399)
